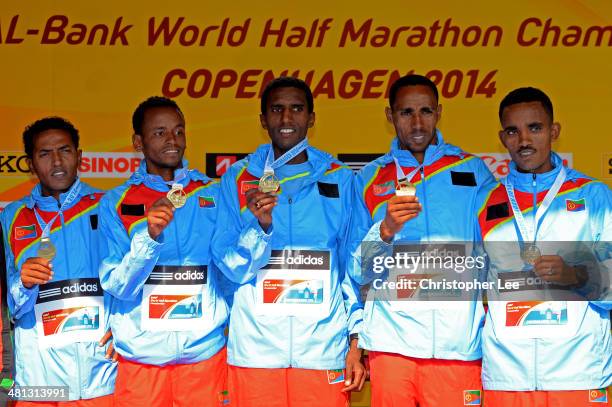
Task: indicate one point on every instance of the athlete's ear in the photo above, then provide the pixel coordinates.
(137, 142)
(30, 165)
(311, 119)
(555, 131)
(389, 114)
(502, 138)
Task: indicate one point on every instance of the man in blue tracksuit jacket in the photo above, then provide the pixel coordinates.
(538, 351)
(168, 315)
(294, 307)
(55, 298)
(414, 346)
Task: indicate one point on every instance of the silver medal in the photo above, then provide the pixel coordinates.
(46, 249)
(530, 253)
(405, 188)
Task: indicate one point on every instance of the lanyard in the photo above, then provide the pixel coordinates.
(272, 164)
(530, 234)
(177, 180)
(72, 195)
(401, 175)
(176, 183)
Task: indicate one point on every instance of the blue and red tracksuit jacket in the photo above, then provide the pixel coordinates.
(133, 256)
(81, 366)
(446, 187)
(579, 355)
(310, 220)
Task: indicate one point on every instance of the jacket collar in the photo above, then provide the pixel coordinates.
(182, 176)
(432, 154)
(49, 203)
(523, 181)
(319, 161)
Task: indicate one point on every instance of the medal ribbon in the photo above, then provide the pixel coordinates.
(181, 176)
(530, 234)
(400, 174)
(72, 194)
(272, 164)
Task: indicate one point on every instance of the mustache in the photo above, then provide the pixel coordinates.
(526, 148)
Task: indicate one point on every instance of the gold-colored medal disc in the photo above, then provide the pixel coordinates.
(177, 196)
(269, 183)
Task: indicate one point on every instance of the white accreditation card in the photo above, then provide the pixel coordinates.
(173, 299)
(69, 311)
(295, 282)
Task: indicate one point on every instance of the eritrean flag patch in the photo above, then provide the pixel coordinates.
(383, 189)
(206, 201)
(25, 232)
(598, 396)
(575, 206)
(471, 397)
(335, 376)
(246, 185)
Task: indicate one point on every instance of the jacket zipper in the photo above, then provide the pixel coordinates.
(64, 240)
(78, 358)
(433, 312)
(425, 202)
(535, 340)
(535, 202)
(535, 366)
(290, 200)
(76, 345)
(180, 258)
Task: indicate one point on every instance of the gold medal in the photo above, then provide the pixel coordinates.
(530, 253)
(177, 196)
(269, 183)
(405, 188)
(46, 249)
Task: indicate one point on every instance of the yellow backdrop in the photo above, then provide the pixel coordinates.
(94, 62)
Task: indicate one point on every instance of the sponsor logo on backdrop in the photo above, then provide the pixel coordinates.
(109, 165)
(93, 165)
(217, 164)
(606, 171)
(498, 162)
(13, 163)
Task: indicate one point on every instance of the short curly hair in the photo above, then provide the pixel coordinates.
(44, 124)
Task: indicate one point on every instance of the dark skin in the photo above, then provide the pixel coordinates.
(414, 115)
(528, 132)
(355, 371)
(55, 161)
(163, 143)
(287, 121)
